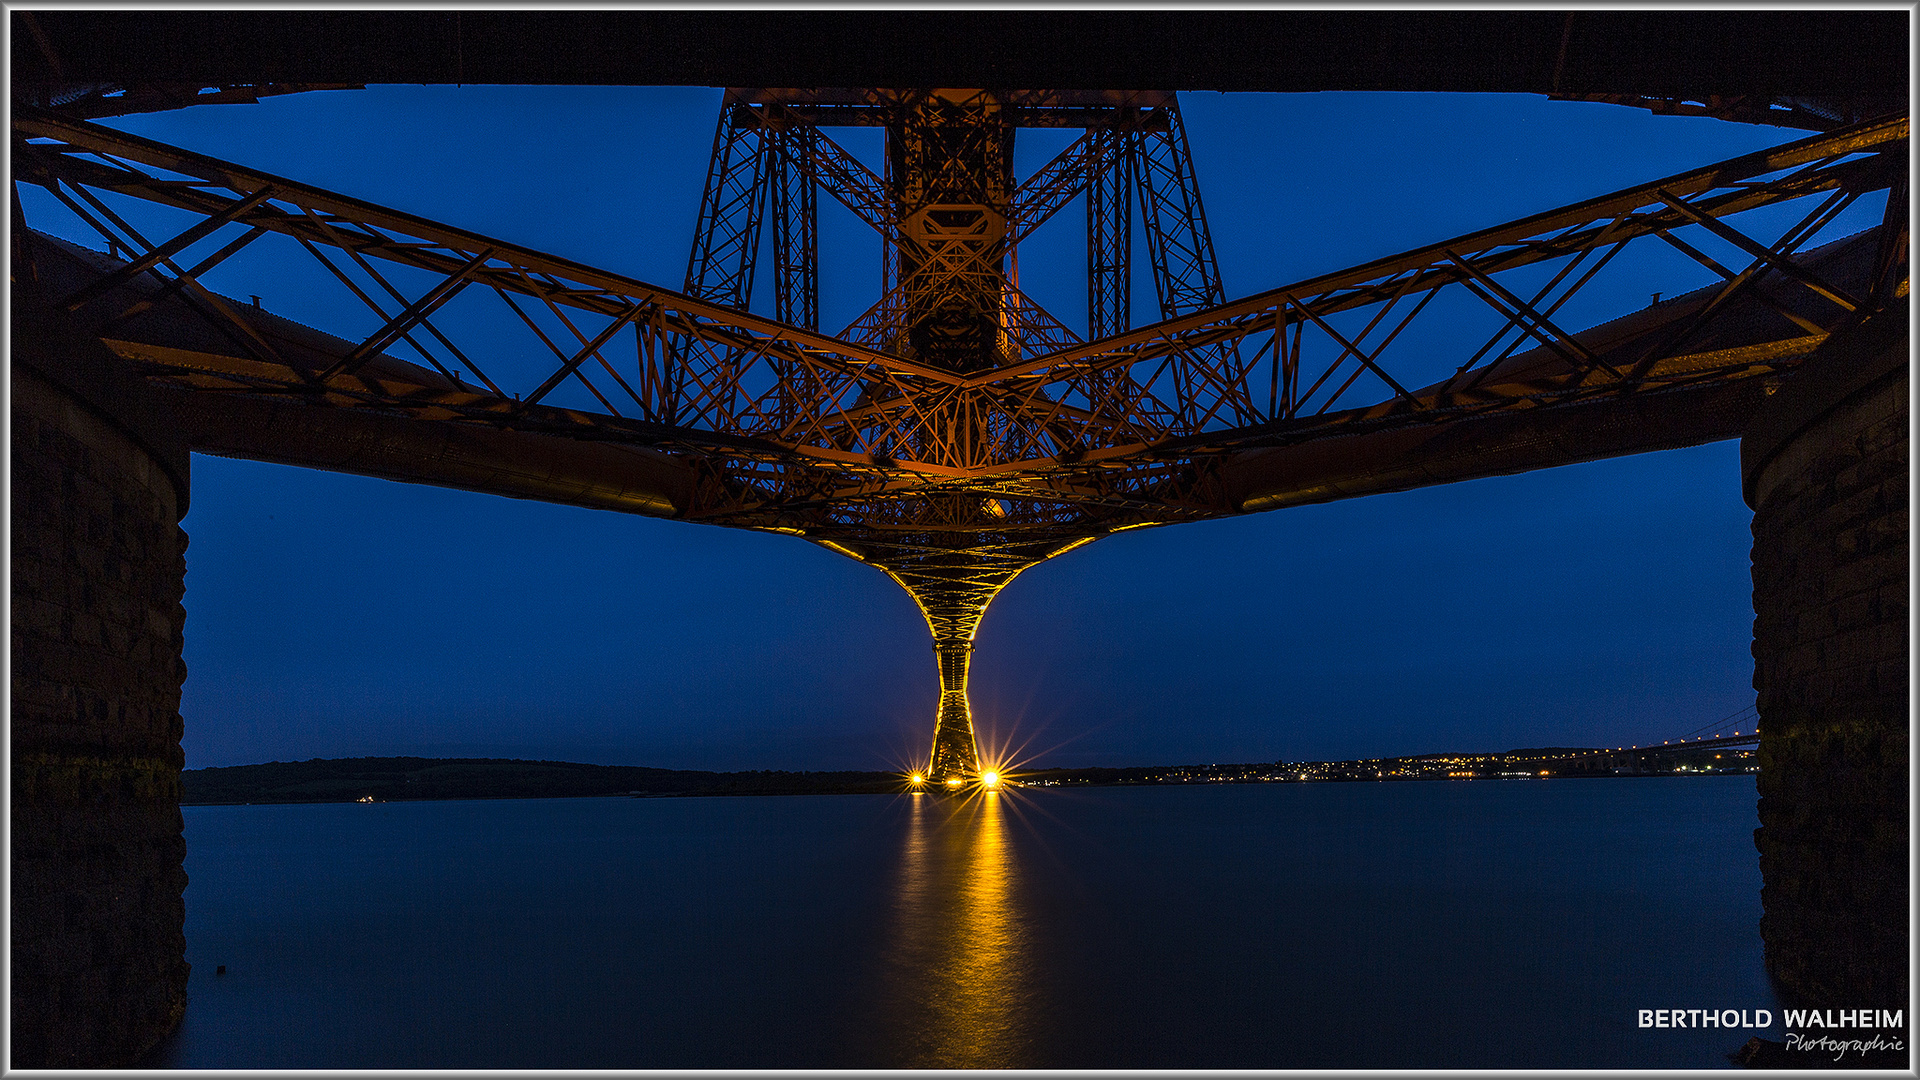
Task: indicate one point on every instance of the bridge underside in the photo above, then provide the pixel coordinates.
(948, 524)
(1732, 63)
(175, 348)
(945, 551)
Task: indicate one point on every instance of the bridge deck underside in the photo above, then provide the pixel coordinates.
(223, 411)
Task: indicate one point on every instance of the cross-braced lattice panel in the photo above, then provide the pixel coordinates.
(463, 328)
(1757, 270)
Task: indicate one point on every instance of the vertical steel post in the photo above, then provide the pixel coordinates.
(1110, 192)
(727, 236)
(796, 215)
(1185, 272)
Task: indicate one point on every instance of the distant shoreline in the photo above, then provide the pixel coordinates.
(415, 779)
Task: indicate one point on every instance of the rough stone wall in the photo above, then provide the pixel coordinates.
(98, 954)
(1830, 663)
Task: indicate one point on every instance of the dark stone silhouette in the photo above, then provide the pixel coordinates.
(1825, 468)
(99, 561)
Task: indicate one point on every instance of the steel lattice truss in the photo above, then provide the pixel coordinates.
(957, 433)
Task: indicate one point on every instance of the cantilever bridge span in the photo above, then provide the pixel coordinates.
(956, 433)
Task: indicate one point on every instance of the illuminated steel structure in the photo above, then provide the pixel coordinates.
(950, 216)
(957, 433)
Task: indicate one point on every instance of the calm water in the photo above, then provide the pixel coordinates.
(1419, 925)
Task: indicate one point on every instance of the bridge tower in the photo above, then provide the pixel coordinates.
(951, 213)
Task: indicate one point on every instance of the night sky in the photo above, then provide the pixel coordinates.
(334, 616)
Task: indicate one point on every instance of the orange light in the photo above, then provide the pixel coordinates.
(990, 779)
(955, 782)
(916, 778)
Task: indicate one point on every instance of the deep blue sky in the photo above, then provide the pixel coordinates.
(333, 615)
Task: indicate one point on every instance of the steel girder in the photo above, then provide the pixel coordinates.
(761, 166)
(795, 188)
(955, 476)
(1090, 424)
(96, 100)
(951, 218)
(1110, 234)
(726, 237)
(1810, 113)
(1180, 248)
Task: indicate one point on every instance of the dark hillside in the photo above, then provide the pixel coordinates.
(413, 778)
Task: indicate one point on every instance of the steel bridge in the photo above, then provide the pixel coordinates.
(956, 433)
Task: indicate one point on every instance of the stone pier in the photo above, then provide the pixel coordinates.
(99, 971)
(1824, 464)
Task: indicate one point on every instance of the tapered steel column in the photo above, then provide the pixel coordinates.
(954, 598)
(956, 750)
(953, 590)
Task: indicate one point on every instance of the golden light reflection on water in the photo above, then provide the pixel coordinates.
(959, 948)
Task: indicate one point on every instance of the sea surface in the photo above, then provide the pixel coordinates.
(1480, 924)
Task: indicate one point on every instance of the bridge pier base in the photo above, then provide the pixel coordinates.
(956, 749)
(953, 590)
(1824, 466)
(98, 965)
